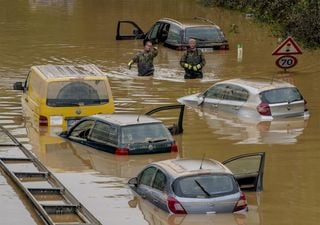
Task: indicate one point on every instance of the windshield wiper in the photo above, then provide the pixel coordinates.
(157, 140)
(202, 188)
(199, 39)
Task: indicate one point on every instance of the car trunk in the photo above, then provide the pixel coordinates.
(283, 102)
(223, 204)
(149, 148)
(287, 109)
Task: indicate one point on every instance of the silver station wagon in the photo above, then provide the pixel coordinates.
(254, 98)
(187, 186)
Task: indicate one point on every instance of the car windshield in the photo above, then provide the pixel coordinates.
(204, 186)
(281, 95)
(142, 133)
(77, 93)
(204, 34)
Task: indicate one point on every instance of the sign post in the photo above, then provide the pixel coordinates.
(285, 51)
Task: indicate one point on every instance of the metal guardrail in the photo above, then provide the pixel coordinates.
(53, 202)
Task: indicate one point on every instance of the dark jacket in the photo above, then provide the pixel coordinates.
(193, 58)
(144, 61)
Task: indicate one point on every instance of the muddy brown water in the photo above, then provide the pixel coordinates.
(78, 31)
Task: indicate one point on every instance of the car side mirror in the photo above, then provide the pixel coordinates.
(18, 86)
(64, 133)
(137, 33)
(201, 98)
(133, 181)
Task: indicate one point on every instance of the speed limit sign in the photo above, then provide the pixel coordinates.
(286, 61)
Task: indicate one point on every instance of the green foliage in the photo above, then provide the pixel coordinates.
(298, 18)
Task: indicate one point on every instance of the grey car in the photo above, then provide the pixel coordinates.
(255, 98)
(188, 186)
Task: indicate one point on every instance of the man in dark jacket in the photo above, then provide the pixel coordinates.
(144, 60)
(193, 61)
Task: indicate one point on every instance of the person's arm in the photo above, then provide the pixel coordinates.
(183, 61)
(154, 52)
(132, 61)
(203, 60)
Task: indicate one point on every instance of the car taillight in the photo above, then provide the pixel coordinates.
(175, 206)
(43, 121)
(122, 151)
(241, 203)
(224, 47)
(264, 109)
(305, 105)
(174, 147)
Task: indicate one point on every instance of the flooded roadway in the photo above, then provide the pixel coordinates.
(78, 31)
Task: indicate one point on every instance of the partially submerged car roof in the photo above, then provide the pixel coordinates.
(258, 85)
(191, 22)
(184, 167)
(70, 71)
(126, 119)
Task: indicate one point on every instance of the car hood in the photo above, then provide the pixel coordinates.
(189, 99)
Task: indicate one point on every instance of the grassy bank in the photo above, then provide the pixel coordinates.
(298, 18)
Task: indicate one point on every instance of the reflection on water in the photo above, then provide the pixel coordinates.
(155, 216)
(246, 131)
(58, 31)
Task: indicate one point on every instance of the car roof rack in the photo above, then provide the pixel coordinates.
(26, 168)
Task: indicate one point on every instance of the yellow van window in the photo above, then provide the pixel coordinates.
(75, 93)
(36, 83)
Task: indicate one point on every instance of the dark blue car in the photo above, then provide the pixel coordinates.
(124, 134)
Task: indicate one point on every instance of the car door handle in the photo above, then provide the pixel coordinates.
(214, 105)
(155, 200)
(143, 196)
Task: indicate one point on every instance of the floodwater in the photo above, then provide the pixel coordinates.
(79, 31)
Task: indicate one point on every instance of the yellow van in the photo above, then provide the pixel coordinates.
(59, 95)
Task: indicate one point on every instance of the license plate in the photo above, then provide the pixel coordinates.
(71, 122)
(206, 49)
(56, 120)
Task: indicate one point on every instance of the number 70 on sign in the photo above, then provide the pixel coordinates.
(286, 61)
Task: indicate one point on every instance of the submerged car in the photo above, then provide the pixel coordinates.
(254, 98)
(175, 34)
(127, 134)
(187, 186)
(58, 95)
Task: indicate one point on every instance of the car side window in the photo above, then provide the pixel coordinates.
(82, 130)
(174, 34)
(216, 91)
(154, 32)
(147, 176)
(160, 181)
(104, 133)
(235, 93)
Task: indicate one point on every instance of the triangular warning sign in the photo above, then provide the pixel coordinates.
(287, 47)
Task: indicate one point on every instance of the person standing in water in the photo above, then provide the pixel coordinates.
(193, 61)
(144, 60)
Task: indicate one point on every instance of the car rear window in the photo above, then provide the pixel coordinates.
(75, 93)
(142, 133)
(204, 34)
(205, 186)
(281, 95)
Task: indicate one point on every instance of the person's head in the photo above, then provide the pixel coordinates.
(147, 46)
(192, 43)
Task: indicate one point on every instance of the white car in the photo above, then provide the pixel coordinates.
(254, 98)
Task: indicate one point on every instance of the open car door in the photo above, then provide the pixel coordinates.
(129, 30)
(176, 128)
(248, 170)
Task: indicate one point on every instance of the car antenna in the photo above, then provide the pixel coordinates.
(204, 155)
